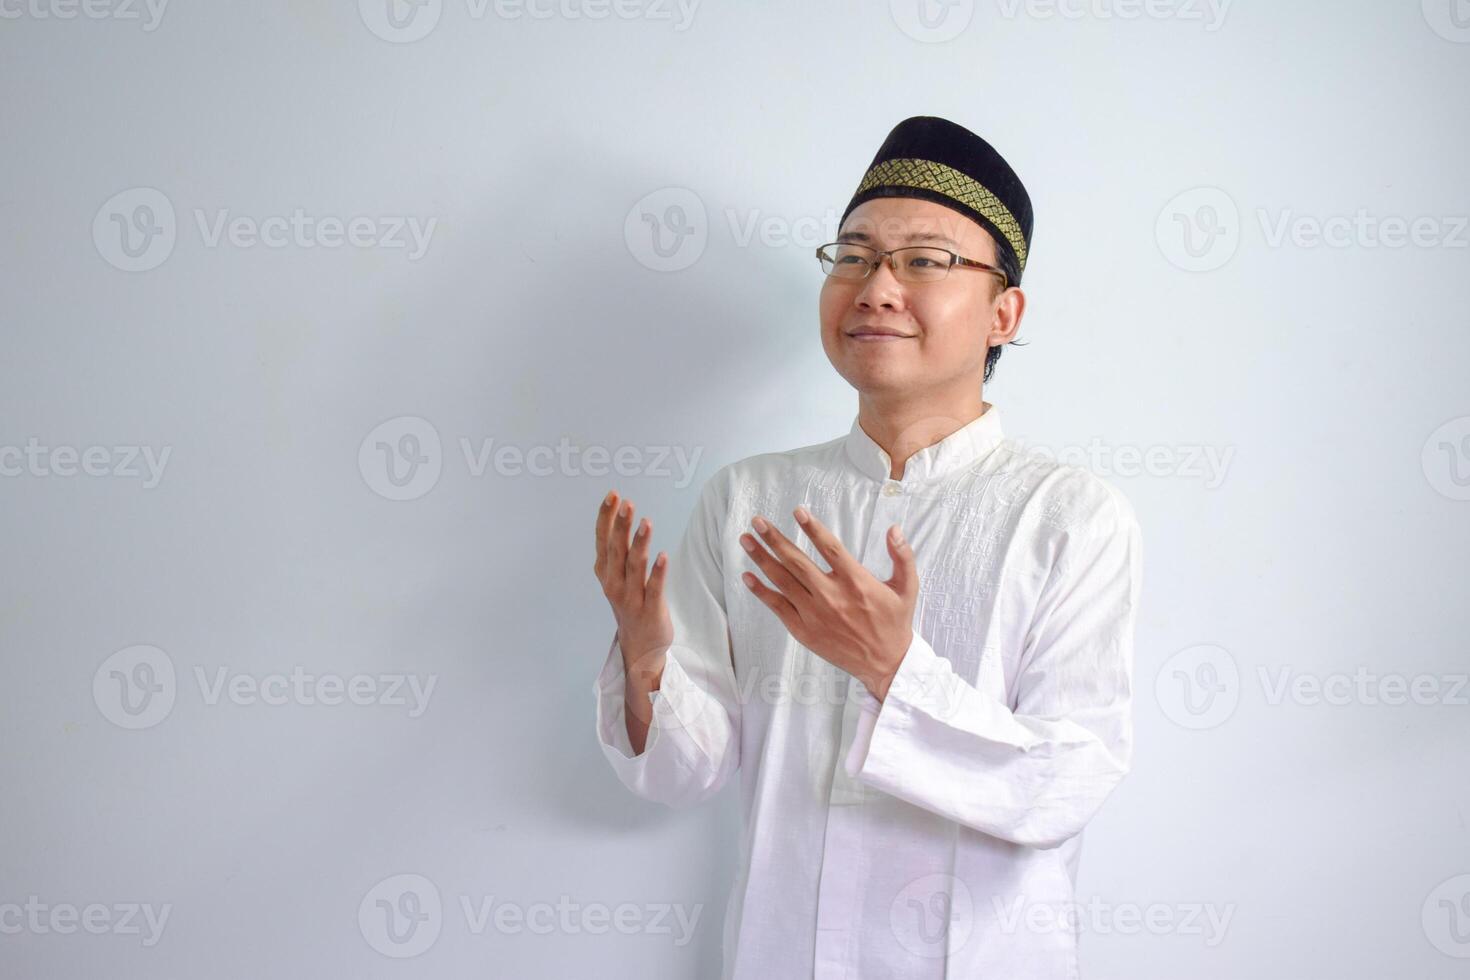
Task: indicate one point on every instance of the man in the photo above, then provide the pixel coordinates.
(914, 642)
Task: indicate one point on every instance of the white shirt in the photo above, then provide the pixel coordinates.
(934, 834)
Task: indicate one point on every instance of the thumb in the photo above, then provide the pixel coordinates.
(905, 577)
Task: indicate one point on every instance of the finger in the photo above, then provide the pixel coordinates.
(604, 525)
(636, 573)
(838, 558)
(617, 546)
(905, 577)
(773, 600)
(653, 593)
(778, 573)
(795, 560)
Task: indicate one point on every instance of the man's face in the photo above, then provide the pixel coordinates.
(945, 324)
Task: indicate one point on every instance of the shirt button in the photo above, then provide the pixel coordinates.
(891, 489)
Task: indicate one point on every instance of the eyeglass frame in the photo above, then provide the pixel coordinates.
(954, 259)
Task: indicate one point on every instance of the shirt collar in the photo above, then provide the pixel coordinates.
(965, 445)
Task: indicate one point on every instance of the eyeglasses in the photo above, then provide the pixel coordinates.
(913, 263)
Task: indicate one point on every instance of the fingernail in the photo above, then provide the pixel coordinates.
(761, 525)
(802, 515)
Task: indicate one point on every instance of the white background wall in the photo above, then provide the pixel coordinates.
(1326, 381)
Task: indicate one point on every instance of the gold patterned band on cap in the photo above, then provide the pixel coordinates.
(931, 176)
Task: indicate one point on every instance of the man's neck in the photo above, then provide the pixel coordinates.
(902, 428)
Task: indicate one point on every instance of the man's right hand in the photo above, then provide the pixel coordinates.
(645, 629)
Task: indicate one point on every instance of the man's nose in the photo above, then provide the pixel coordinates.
(881, 288)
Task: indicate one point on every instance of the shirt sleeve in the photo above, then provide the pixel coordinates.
(693, 742)
(1037, 774)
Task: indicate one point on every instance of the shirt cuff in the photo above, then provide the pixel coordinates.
(870, 708)
(611, 689)
(682, 714)
(925, 687)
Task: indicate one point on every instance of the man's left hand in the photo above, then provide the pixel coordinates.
(846, 616)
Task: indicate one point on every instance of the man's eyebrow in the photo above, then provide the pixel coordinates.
(927, 237)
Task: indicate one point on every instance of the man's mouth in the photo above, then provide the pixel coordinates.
(878, 334)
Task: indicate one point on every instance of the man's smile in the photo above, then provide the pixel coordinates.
(877, 334)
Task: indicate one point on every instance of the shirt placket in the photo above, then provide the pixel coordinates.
(838, 897)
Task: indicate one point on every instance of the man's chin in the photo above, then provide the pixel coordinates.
(875, 382)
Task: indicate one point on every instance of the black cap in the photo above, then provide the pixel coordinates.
(937, 160)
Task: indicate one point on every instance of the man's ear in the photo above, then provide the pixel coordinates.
(1005, 321)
